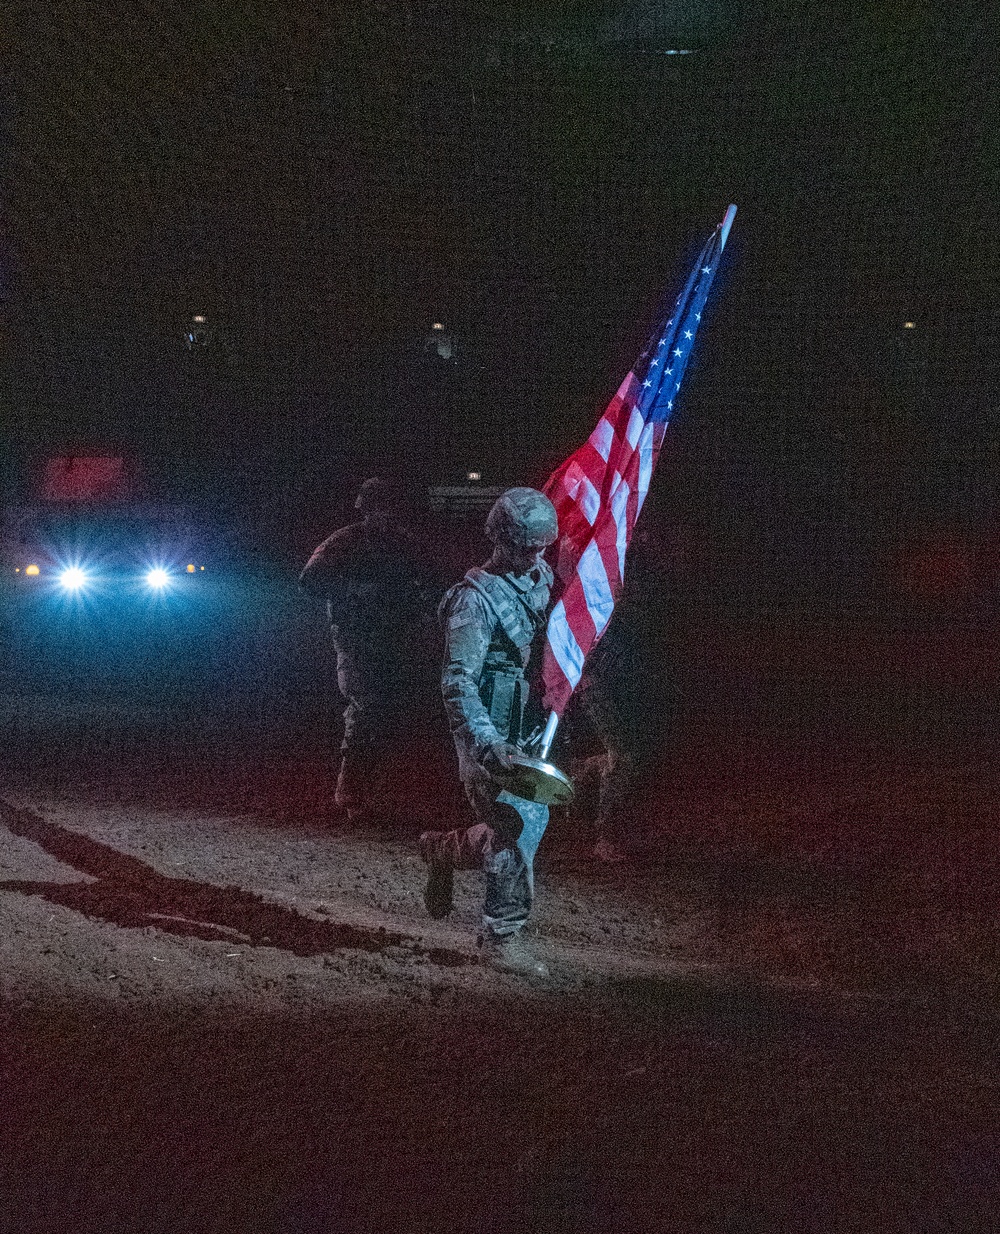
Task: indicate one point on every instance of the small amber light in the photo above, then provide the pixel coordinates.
(32, 570)
(202, 567)
(190, 568)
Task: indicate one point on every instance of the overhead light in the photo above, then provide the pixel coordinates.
(909, 325)
(190, 567)
(474, 475)
(199, 317)
(32, 570)
(437, 325)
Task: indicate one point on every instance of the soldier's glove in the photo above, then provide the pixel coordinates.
(499, 757)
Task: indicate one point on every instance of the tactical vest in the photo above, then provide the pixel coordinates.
(503, 686)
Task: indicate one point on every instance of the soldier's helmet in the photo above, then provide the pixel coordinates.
(379, 496)
(522, 518)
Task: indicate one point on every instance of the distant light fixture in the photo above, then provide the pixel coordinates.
(158, 578)
(73, 578)
(196, 334)
(33, 571)
(909, 325)
(441, 342)
(190, 567)
(678, 51)
(474, 475)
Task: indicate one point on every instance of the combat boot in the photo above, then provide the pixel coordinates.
(439, 893)
(511, 954)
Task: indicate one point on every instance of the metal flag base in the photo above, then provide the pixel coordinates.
(535, 780)
(533, 777)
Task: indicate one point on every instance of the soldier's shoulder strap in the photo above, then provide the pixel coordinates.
(505, 603)
(456, 590)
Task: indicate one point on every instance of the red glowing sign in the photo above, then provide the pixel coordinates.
(84, 478)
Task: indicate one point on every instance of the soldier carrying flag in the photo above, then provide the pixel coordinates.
(493, 616)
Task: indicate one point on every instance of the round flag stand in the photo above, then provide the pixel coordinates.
(535, 780)
(533, 777)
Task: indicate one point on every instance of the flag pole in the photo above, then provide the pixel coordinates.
(550, 731)
(546, 739)
(727, 222)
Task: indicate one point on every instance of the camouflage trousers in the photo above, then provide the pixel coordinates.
(383, 711)
(636, 735)
(502, 843)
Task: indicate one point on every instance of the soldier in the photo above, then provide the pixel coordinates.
(380, 598)
(631, 704)
(629, 710)
(492, 620)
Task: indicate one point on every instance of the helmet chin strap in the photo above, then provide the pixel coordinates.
(508, 557)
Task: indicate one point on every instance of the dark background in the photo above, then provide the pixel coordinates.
(784, 1015)
(323, 182)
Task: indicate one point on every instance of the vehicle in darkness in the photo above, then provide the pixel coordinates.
(114, 555)
(115, 602)
(87, 532)
(101, 587)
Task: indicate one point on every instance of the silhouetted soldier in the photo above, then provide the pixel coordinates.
(381, 595)
(631, 704)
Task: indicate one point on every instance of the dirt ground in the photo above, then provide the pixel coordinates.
(226, 1011)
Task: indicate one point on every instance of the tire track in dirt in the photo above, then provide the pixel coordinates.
(132, 894)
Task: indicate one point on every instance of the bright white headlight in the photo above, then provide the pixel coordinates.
(73, 578)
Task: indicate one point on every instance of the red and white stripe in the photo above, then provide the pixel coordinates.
(598, 493)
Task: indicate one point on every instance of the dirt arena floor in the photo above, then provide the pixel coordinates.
(226, 1012)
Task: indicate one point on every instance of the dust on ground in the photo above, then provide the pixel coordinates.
(226, 1010)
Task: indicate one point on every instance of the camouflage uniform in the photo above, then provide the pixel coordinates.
(492, 622)
(380, 600)
(631, 704)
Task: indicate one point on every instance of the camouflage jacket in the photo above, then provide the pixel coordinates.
(491, 623)
(380, 593)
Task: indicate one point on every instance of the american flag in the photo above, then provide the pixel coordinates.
(599, 490)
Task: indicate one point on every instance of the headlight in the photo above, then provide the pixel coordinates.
(73, 578)
(158, 578)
